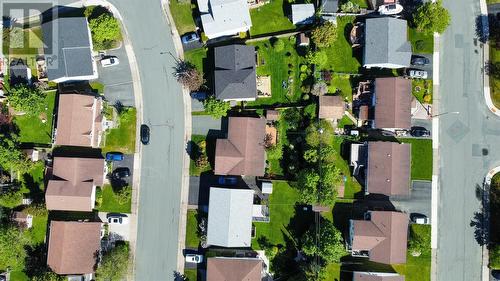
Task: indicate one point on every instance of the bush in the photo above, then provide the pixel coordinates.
(324, 35)
(495, 257)
(105, 31)
(11, 199)
(350, 7)
(26, 99)
(216, 108)
(310, 110)
(202, 161)
(427, 98)
(304, 68)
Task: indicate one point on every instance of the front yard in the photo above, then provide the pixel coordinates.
(420, 42)
(182, 12)
(192, 236)
(123, 137)
(114, 201)
(199, 159)
(495, 83)
(422, 90)
(270, 18)
(421, 158)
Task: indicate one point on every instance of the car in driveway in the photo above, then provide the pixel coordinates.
(121, 172)
(417, 73)
(419, 60)
(117, 219)
(201, 96)
(495, 274)
(190, 37)
(419, 218)
(227, 180)
(109, 61)
(419, 132)
(145, 134)
(193, 258)
(114, 156)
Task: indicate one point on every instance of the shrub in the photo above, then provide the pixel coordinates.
(105, 31)
(350, 7)
(324, 35)
(26, 99)
(216, 108)
(495, 257)
(310, 110)
(202, 161)
(11, 199)
(427, 98)
(303, 68)
(279, 45)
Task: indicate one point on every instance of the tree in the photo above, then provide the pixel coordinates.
(431, 17)
(12, 247)
(319, 133)
(324, 35)
(11, 199)
(350, 7)
(308, 181)
(420, 240)
(310, 110)
(114, 264)
(328, 245)
(188, 76)
(311, 155)
(5, 119)
(216, 108)
(319, 89)
(26, 99)
(319, 58)
(11, 156)
(279, 45)
(105, 31)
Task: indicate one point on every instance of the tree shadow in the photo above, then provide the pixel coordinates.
(35, 192)
(36, 262)
(479, 222)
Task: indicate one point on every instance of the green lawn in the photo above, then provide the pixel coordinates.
(421, 158)
(110, 203)
(28, 50)
(420, 88)
(123, 137)
(193, 170)
(196, 57)
(332, 272)
(492, 1)
(32, 129)
(97, 87)
(495, 83)
(421, 42)
(341, 83)
(192, 238)
(190, 274)
(17, 275)
(340, 55)
(269, 18)
(351, 185)
(182, 13)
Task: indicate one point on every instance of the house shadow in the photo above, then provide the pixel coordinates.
(73, 216)
(76, 151)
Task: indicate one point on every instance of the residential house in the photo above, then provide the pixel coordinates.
(224, 17)
(79, 120)
(234, 76)
(382, 237)
(328, 9)
(19, 72)
(230, 217)
(386, 43)
(73, 183)
(74, 247)
(234, 269)
(392, 99)
(388, 170)
(376, 276)
(242, 152)
(302, 14)
(68, 50)
(331, 107)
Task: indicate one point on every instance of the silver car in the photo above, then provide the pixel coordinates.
(417, 73)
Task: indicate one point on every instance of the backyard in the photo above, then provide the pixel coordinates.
(421, 158)
(182, 12)
(341, 57)
(111, 201)
(352, 187)
(270, 18)
(24, 45)
(122, 138)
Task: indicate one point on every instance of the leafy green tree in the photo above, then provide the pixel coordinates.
(114, 264)
(319, 133)
(319, 58)
(310, 110)
(328, 245)
(105, 31)
(314, 271)
(11, 199)
(292, 117)
(431, 17)
(11, 156)
(26, 99)
(328, 154)
(12, 247)
(216, 108)
(308, 181)
(324, 35)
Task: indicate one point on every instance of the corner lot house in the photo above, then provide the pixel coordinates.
(392, 103)
(236, 269)
(302, 13)
(68, 50)
(230, 217)
(74, 247)
(73, 183)
(242, 153)
(376, 276)
(79, 120)
(224, 17)
(381, 237)
(388, 168)
(386, 43)
(234, 76)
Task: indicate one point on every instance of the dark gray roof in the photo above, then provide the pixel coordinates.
(329, 6)
(68, 41)
(386, 42)
(235, 76)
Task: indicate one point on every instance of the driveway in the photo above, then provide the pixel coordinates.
(117, 79)
(203, 124)
(127, 162)
(419, 201)
(427, 67)
(117, 232)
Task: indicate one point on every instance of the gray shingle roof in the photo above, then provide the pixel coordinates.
(235, 76)
(386, 42)
(68, 40)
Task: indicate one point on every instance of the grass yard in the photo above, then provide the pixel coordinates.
(193, 169)
(351, 185)
(27, 49)
(110, 202)
(17, 275)
(420, 42)
(122, 138)
(420, 88)
(421, 158)
(192, 237)
(332, 272)
(341, 83)
(270, 18)
(492, 1)
(340, 55)
(32, 129)
(495, 83)
(191, 274)
(182, 13)
(97, 87)
(196, 57)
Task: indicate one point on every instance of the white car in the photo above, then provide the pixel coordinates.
(416, 73)
(109, 61)
(117, 219)
(390, 9)
(192, 258)
(420, 218)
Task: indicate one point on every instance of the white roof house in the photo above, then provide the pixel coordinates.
(224, 17)
(302, 13)
(230, 217)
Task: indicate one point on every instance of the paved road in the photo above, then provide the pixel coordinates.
(462, 140)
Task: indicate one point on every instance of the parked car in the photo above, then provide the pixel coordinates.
(201, 96)
(495, 274)
(417, 73)
(227, 180)
(122, 172)
(114, 156)
(117, 219)
(419, 132)
(193, 258)
(419, 218)
(419, 60)
(145, 134)
(109, 61)
(190, 37)
(390, 9)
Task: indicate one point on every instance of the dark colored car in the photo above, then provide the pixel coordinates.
(121, 172)
(190, 37)
(419, 132)
(201, 96)
(227, 180)
(114, 156)
(418, 60)
(145, 134)
(495, 274)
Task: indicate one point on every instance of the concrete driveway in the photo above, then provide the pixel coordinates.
(202, 124)
(127, 162)
(117, 79)
(427, 67)
(117, 232)
(419, 201)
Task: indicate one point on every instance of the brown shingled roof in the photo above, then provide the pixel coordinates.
(393, 103)
(242, 153)
(384, 236)
(73, 246)
(72, 185)
(388, 168)
(79, 120)
(331, 107)
(376, 276)
(234, 269)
